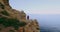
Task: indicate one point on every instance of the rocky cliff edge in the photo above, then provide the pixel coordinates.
(12, 20)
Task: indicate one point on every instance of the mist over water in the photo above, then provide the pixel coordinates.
(48, 23)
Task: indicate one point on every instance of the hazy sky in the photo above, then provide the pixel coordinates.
(37, 6)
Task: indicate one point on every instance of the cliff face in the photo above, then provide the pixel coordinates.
(12, 20)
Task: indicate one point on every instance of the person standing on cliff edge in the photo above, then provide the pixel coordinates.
(28, 17)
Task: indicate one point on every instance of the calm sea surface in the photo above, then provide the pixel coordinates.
(48, 23)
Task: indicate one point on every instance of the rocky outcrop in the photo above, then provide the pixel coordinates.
(12, 20)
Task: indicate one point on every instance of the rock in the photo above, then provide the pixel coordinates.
(12, 20)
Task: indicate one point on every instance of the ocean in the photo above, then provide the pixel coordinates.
(47, 23)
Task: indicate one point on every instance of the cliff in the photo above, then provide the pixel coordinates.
(12, 20)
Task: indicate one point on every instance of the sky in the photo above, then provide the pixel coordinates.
(37, 6)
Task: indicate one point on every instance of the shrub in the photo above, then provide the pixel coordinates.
(1, 5)
(11, 31)
(5, 13)
(12, 22)
(21, 24)
(37, 28)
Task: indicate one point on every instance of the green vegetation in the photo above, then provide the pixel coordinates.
(37, 28)
(0, 29)
(1, 6)
(7, 0)
(11, 22)
(5, 13)
(11, 31)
